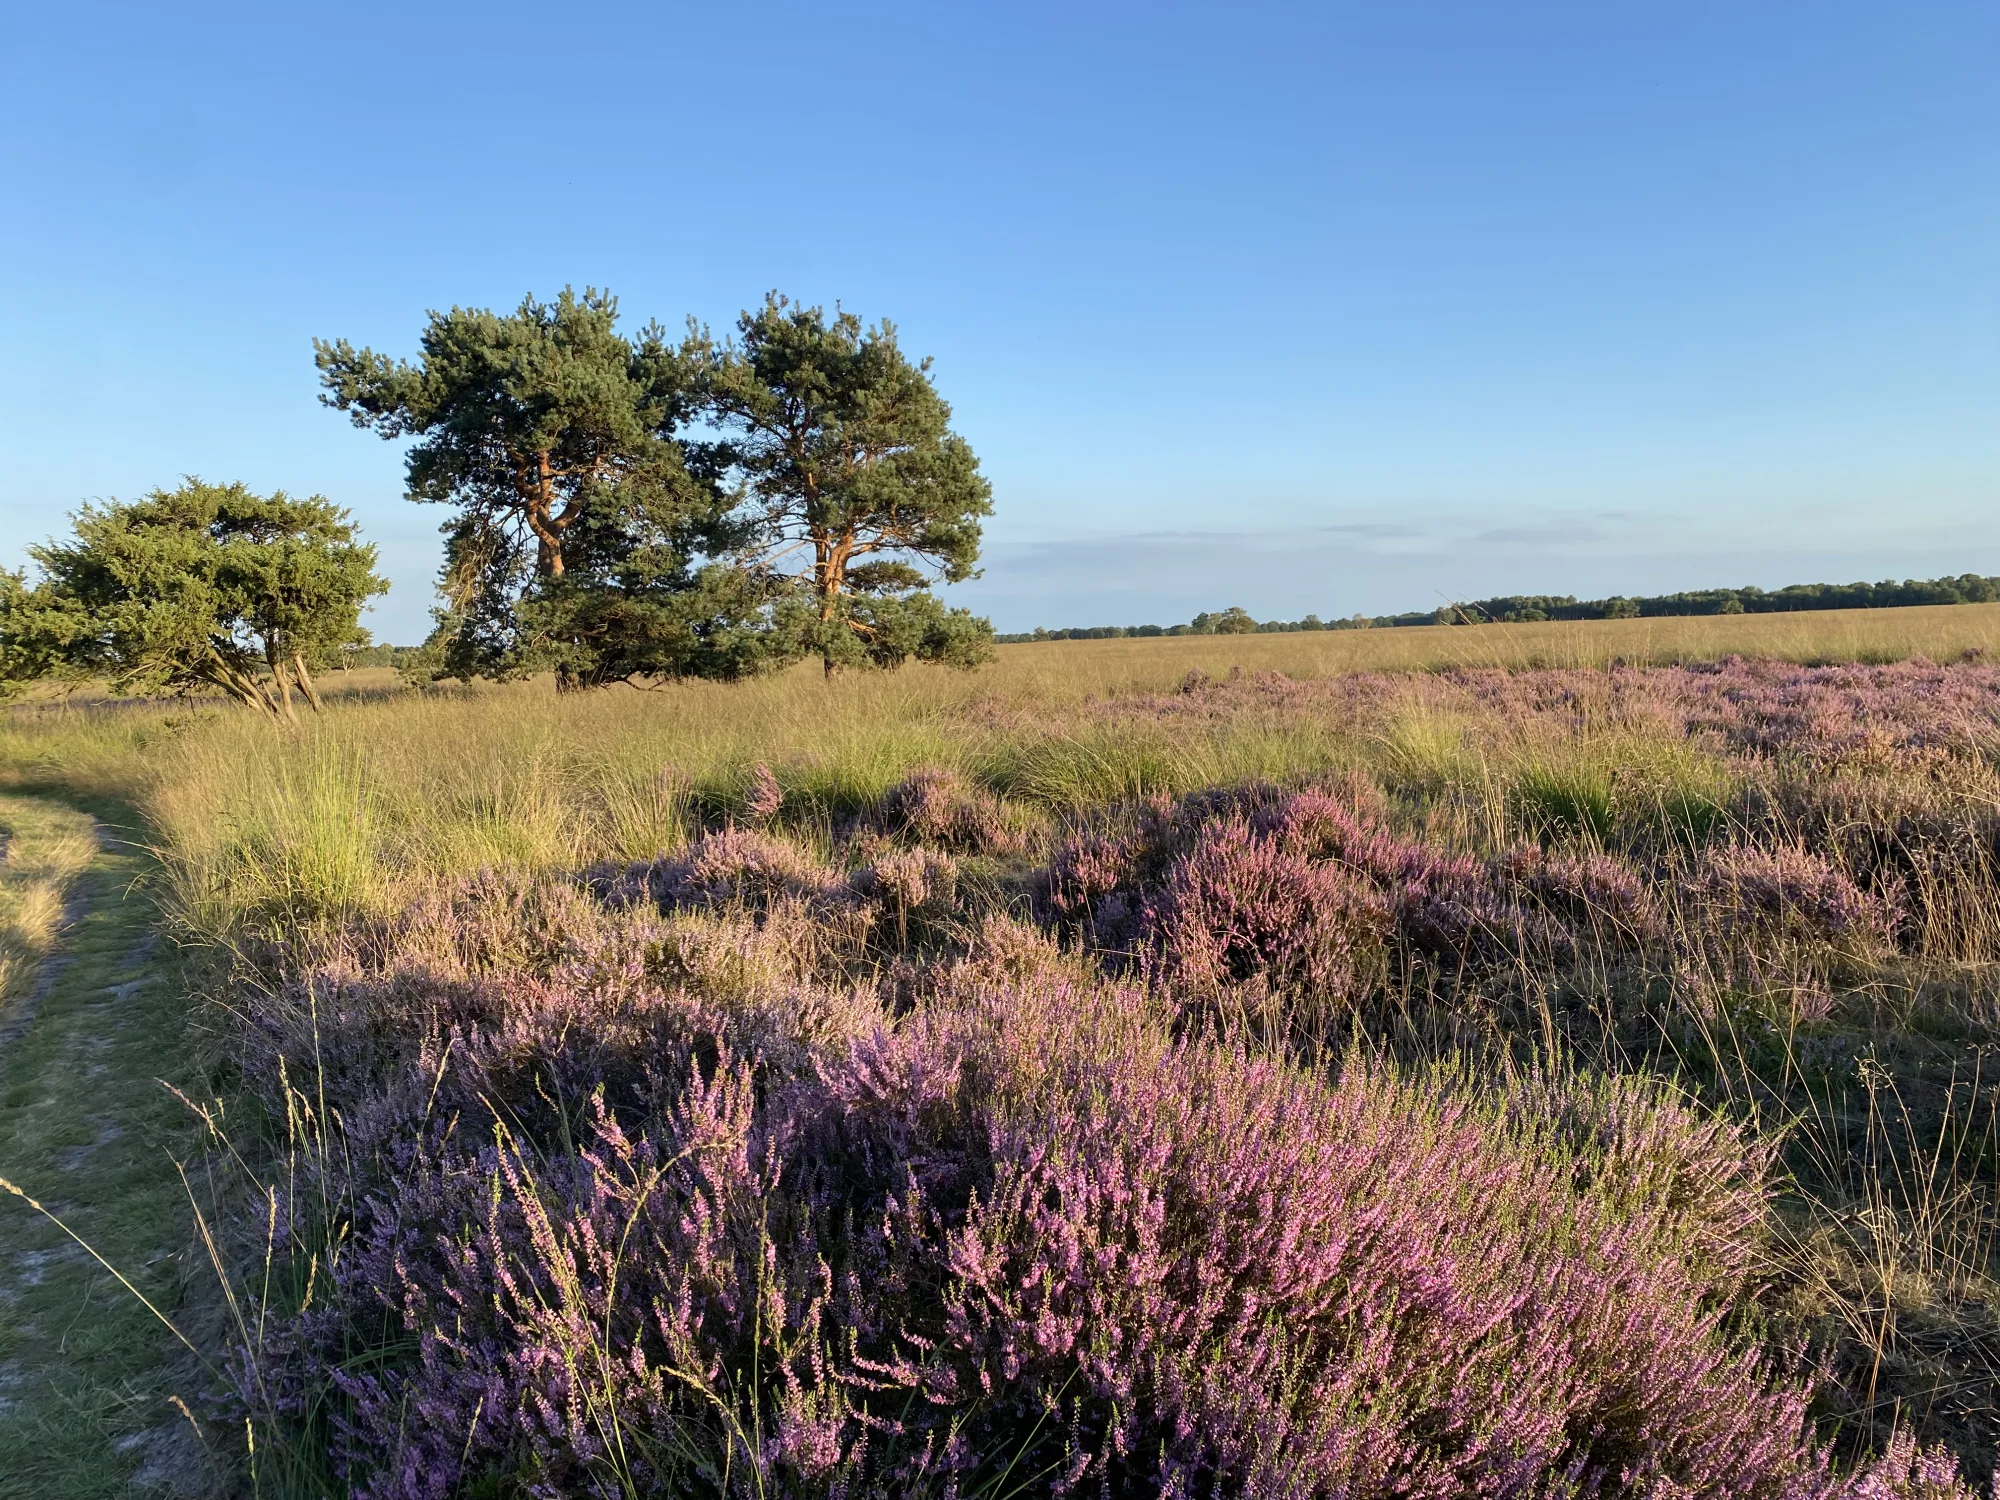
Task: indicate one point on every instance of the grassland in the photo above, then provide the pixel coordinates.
(393, 786)
(1506, 869)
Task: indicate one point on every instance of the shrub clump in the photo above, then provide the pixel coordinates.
(942, 808)
(1254, 881)
(1027, 1231)
(732, 867)
(1593, 892)
(1087, 887)
(1791, 894)
(1238, 907)
(764, 799)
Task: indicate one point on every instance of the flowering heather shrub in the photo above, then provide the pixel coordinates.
(580, 1319)
(1907, 714)
(1131, 847)
(1642, 1148)
(1790, 894)
(919, 883)
(1904, 715)
(1447, 906)
(1173, 823)
(765, 797)
(737, 866)
(1593, 891)
(911, 878)
(747, 869)
(1927, 845)
(491, 922)
(1451, 908)
(686, 1178)
(941, 807)
(1007, 951)
(454, 963)
(1908, 1471)
(1027, 1231)
(1469, 926)
(387, 1050)
(1239, 907)
(1086, 867)
(1292, 1290)
(1096, 883)
(1331, 848)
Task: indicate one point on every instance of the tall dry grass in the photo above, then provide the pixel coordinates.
(44, 847)
(387, 789)
(1939, 632)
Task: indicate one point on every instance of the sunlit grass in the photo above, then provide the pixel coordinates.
(391, 788)
(46, 848)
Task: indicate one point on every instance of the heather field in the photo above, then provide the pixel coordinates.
(1538, 1060)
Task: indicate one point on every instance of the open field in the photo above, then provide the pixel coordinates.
(1939, 632)
(1451, 1059)
(512, 775)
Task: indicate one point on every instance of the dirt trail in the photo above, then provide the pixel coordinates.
(86, 1373)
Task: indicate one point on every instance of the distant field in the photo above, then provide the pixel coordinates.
(1940, 632)
(1148, 664)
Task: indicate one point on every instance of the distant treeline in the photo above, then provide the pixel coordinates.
(1967, 588)
(378, 655)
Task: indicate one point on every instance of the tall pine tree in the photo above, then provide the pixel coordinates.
(556, 440)
(854, 485)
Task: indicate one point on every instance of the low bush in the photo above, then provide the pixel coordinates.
(1238, 907)
(1022, 1237)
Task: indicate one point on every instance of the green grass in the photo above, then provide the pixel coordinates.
(392, 788)
(86, 1371)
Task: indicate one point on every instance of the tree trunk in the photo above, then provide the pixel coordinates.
(543, 521)
(306, 682)
(244, 689)
(830, 569)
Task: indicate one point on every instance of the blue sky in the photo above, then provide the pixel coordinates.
(1329, 308)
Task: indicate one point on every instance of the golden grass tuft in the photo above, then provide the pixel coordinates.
(47, 848)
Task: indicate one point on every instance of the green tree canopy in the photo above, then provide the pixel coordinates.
(202, 586)
(1235, 620)
(853, 482)
(555, 438)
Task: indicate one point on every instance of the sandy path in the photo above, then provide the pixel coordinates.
(86, 1372)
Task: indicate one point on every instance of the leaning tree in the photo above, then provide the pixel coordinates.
(555, 438)
(853, 484)
(203, 586)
